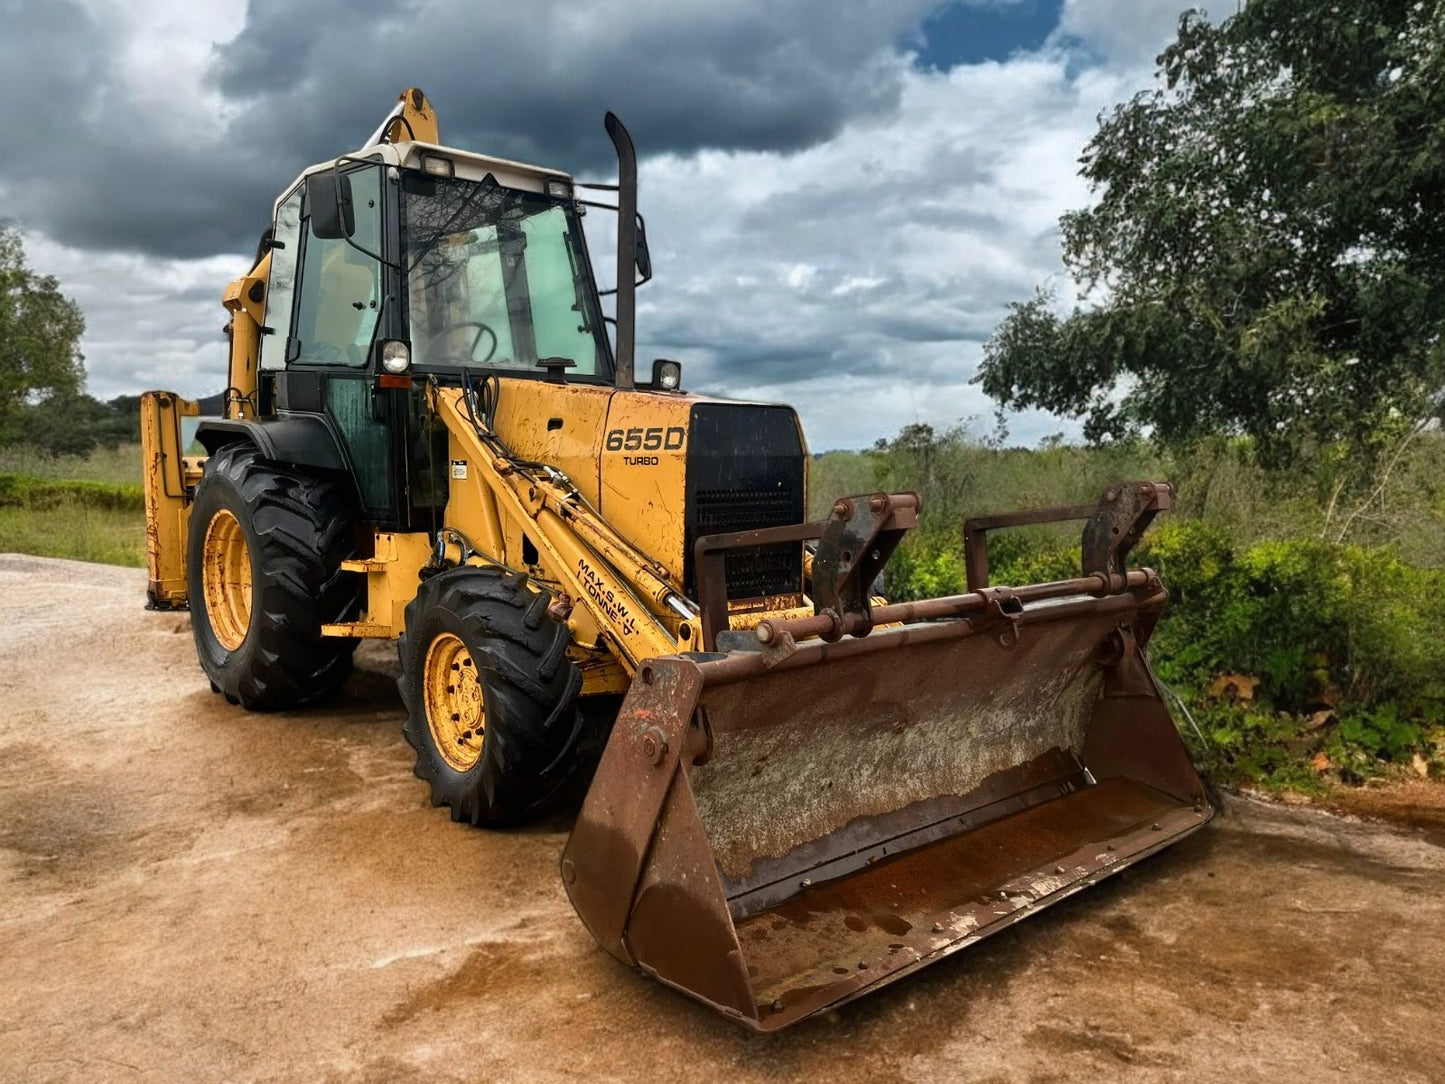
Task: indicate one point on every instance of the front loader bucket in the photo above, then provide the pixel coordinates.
(777, 833)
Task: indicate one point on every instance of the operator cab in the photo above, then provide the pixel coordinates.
(408, 263)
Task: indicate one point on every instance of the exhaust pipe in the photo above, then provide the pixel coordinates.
(626, 250)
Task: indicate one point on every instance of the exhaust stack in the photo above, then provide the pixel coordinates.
(626, 250)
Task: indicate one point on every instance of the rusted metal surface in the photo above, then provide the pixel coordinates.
(709, 554)
(1056, 604)
(802, 752)
(603, 861)
(854, 543)
(858, 537)
(1124, 513)
(1112, 528)
(775, 836)
(837, 940)
(771, 630)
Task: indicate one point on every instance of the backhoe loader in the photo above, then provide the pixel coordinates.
(803, 792)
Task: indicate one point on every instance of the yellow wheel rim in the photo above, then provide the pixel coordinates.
(226, 579)
(453, 700)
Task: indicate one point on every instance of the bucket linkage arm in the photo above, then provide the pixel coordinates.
(853, 544)
(1112, 529)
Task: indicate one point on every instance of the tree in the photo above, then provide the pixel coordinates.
(40, 331)
(75, 425)
(1266, 255)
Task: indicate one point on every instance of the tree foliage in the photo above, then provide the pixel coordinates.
(40, 331)
(75, 424)
(1266, 255)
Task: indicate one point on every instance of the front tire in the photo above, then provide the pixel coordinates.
(491, 696)
(263, 565)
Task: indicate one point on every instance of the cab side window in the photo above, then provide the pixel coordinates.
(281, 288)
(340, 296)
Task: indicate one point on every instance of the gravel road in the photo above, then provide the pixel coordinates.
(192, 892)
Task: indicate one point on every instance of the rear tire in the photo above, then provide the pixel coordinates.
(491, 696)
(263, 565)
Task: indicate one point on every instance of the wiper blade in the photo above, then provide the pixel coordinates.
(487, 187)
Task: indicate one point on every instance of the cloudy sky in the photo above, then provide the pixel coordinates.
(842, 196)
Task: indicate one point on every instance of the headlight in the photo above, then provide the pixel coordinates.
(666, 375)
(395, 356)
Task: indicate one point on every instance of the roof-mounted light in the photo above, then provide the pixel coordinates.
(437, 167)
(559, 188)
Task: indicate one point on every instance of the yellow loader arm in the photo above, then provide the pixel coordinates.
(628, 601)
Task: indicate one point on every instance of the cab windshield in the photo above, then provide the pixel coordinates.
(497, 278)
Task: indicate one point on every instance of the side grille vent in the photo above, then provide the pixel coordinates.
(744, 472)
(757, 570)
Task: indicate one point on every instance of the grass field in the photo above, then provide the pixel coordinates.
(116, 465)
(75, 531)
(85, 509)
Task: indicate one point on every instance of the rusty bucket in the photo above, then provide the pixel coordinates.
(776, 832)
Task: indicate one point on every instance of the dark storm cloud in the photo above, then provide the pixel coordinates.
(93, 169)
(303, 81)
(683, 74)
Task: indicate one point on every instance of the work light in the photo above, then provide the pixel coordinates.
(395, 356)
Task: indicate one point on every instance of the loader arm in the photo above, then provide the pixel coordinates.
(627, 599)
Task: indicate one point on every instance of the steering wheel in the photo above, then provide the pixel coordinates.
(481, 328)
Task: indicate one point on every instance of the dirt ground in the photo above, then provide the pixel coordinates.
(192, 892)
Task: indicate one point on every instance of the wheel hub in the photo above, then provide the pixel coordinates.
(453, 699)
(226, 579)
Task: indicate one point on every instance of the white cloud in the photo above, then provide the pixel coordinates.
(1123, 35)
(149, 323)
(889, 253)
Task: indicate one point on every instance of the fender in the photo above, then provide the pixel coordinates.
(303, 440)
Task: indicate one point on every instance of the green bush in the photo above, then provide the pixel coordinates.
(1034, 565)
(925, 566)
(39, 494)
(1317, 623)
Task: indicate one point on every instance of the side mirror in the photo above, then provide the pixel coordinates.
(644, 258)
(328, 202)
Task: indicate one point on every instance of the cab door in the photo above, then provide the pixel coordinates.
(334, 290)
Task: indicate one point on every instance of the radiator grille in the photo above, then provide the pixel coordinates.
(745, 472)
(756, 570)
